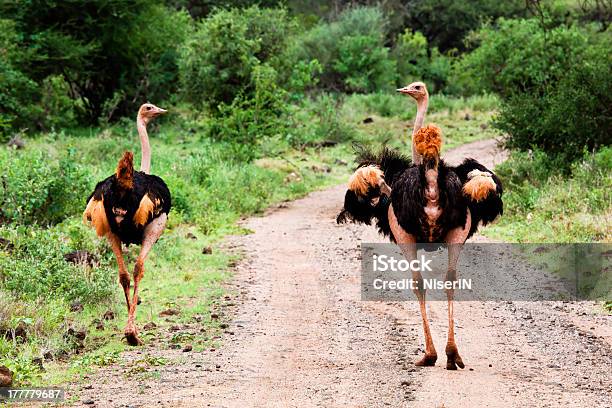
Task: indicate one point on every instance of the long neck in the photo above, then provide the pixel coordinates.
(418, 123)
(145, 159)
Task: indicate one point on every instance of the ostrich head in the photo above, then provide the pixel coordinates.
(148, 111)
(418, 90)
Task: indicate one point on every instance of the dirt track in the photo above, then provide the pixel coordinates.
(302, 337)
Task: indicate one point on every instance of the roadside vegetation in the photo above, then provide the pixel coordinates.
(265, 105)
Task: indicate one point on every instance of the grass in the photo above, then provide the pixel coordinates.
(212, 187)
(542, 204)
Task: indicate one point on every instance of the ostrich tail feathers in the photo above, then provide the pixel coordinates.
(125, 171)
(428, 141)
(479, 186)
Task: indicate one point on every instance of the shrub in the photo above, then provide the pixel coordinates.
(572, 115)
(554, 85)
(37, 269)
(518, 56)
(351, 51)
(320, 121)
(251, 118)
(101, 47)
(17, 90)
(416, 62)
(220, 59)
(58, 108)
(445, 23)
(37, 189)
(545, 205)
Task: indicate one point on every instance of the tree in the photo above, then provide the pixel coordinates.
(101, 48)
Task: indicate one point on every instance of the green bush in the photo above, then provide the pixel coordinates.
(100, 47)
(39, 189)
(517, 56)
(220, 59)
(36, 268)
(554, 85)
(571, 115)
(544, 205)
(445, 23)
(417, 62)
(319, 121)
(17, 90)
(351, 51)
(249, 119)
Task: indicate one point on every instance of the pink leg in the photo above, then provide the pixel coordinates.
(455, 240)
(151, 234)
(124, 276)
(407, 244)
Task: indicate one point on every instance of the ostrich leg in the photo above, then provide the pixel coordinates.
(124, 276)
(455, 240)
(152, 233)
(407, 244)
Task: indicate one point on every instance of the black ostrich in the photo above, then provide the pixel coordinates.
(429, 202)
(131, 207)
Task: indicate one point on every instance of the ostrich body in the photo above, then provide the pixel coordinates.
(424, 201)
(131, 207)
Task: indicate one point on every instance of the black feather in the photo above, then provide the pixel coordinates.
(487, 210)
(408, 183)
(129, 201)
(408, 198)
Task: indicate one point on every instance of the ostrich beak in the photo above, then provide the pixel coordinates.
(161, 111)
(385, 189)
(403, 90)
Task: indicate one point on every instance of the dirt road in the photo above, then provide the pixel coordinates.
(303, 338)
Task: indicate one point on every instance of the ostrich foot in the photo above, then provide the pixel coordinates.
(428, 360)
(453, 359)
(131, 335)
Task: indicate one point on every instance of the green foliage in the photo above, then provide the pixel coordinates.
(417, 62)
(573, 114)
(351, 51)
(100, 47)
(446, 22)
(363, 63)
(59, 110)
(518, 56)
(37, 188)
(37, 269)
(17, 90)
(250, 119)
(554, 85)
(319, 122)
(219, 61)
(542, 204)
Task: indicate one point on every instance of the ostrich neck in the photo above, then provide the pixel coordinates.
(145, 147)
(418, 123)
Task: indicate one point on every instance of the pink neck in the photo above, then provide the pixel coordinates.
(418, 123)
(145, 158)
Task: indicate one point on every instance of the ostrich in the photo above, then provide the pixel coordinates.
(131, 207)
(425, 201)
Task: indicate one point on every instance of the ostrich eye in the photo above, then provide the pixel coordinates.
(148, 108)
(417, 87)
